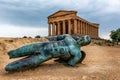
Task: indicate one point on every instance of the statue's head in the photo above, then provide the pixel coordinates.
(85, 40)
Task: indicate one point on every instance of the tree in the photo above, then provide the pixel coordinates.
(115, 35)
(24, 36)
(37, 36)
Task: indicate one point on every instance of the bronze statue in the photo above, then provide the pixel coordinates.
(65, 47)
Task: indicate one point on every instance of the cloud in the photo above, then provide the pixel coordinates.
(113, 6)
(33, 13)
(29, 12)
(105, 36)
(18, 31)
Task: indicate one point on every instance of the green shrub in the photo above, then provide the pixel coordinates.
(37, 36)
(11, 41)
(98, 43)
(24, 36)
(29, 37)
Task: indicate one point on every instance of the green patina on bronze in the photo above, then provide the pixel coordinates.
(65, 47)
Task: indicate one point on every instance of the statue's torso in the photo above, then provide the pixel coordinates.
(60, 48)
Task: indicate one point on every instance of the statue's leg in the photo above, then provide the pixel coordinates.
(28, 62)
(26, 50)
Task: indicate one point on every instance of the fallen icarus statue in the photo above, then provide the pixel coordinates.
(65, 47)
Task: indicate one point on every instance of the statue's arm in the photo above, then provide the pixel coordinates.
(61, 37)
(52, 38)
(76, 37)
(76, 53)
(58, 37)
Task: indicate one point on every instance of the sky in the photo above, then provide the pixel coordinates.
(20, 18)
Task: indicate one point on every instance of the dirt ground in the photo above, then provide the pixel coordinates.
(101, 63)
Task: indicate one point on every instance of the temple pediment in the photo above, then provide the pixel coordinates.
(61, 13)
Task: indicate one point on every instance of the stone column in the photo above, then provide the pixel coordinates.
(88, 29)
(64, 27)
(97, 32)
(53, 28)
(49, 29)
(80, 27)
(85, 28)
(69, 26)
(58, 25)
(61, 26)
(92, 30)
(75, 26)
(56, 28)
